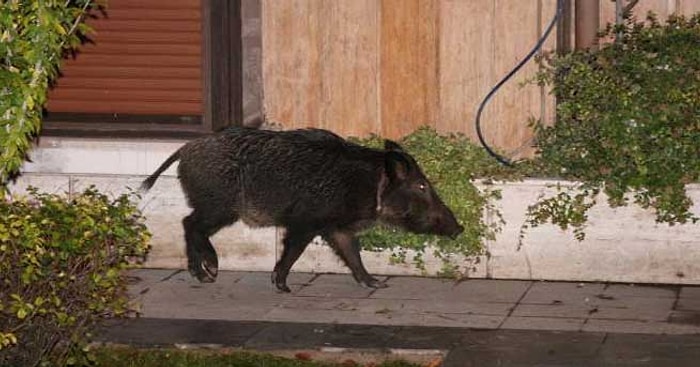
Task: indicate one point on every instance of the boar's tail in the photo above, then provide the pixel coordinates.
(148, 183)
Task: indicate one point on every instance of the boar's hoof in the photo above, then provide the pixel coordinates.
(205, 273)
(373, 283)
(281, 284)
(282, 288)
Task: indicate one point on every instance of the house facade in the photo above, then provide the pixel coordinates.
(159, 72)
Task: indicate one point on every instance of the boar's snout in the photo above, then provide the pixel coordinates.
(409, 199)
(457, 232)
(446, 225)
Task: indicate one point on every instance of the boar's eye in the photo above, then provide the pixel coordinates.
(422, 186)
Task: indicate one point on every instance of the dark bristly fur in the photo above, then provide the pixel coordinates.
(311, 182)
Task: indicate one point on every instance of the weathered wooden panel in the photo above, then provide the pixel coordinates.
(662, 9)
(480, 42)
(350, 67)
(516, 31)
(389, 66)
(320, 64)
(409, 65)
(292, 36)
(548, 102)
(466, 57)
(689, 7)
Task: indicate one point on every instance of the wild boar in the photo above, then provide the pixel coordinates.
(311, 182)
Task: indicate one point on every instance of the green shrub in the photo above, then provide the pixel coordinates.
(451, 162)
(60, 270)
(34, 35)
(628, 123)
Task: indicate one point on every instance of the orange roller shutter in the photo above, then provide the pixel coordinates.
(145, 58)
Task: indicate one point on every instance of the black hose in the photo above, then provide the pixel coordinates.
(538, 45)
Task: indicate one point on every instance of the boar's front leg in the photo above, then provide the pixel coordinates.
(202, 261)
(295, 241)
(348, 248)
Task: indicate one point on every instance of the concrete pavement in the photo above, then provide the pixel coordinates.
(471, 322)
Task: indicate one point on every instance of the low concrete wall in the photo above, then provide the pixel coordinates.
(622, 245)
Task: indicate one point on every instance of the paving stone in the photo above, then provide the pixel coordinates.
(396, 306)
(555, 310)
(335, 286)
(685, 317)
(569, 293)
(688, 304)
(384, 318)
(631, 303)
(362, 336)
(649, 350)
(638, 327)
(646, 291)
(234, 296)
(526, 348)
(140, 280)
(652, 314)
(453, 320)
(148, 276)
(415, 288)
(490, 291)
(278, 314)
(146, 332)
(690, 292)
(422, 337)
(260, 283)
(543, 323)
(180, 295)
(286, 335)
(216, 309)
(633, 308)
(283, 335)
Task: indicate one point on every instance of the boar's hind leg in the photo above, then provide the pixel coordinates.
(348, 248)
(294, 244)
(202, 261)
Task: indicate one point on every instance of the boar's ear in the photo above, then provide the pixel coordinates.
(392, 146)
(397, 166)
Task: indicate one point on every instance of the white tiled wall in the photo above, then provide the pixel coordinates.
(623, 244)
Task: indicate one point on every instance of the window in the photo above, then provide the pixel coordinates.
(153, 67)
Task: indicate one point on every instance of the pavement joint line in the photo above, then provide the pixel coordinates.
(256, 333)
(600, 345)
(675, 303)
(168, 277)
(374, 290)
(371, 292)
(306, 284)
(515, 305)
(585, 321)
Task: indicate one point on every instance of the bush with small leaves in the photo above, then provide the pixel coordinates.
(34, 36)
(628, 123)
(61, 262)
(452, 163)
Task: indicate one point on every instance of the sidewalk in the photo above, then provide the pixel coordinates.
(479, 322)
